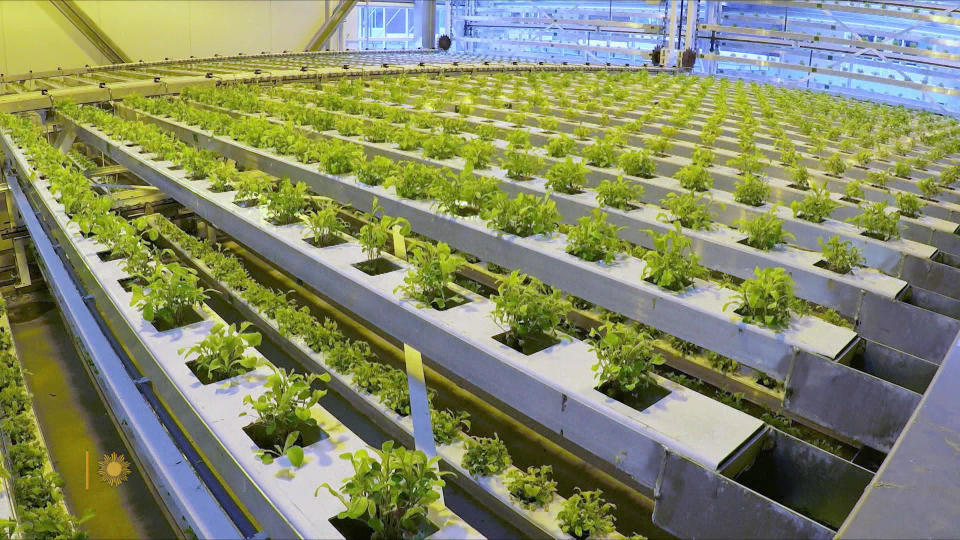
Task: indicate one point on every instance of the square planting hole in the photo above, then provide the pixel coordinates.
(375, 267)
(108, 255)
(247, 203)
(453, 299)
(329, 240)
(825, 265)
(529, 344)
(128, 283)
(357, 529)
(191, 316)
(207, 377)
(309, 434)
(639, 399)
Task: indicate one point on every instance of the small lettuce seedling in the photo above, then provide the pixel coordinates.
(816, 206)
(485, 456)
(221, 354)
(876, 222)
(688, 209)
(619, 194)
(672, 264)
(841, 256)
(764, 231)
(765, 300)
(587, 515)
(533, 488)
(625, 357)
(391, 492)
(433, 270)
(593, 239)
(567, 176)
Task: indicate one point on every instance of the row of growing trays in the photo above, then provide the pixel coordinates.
(422, 217)
(225, 365)
(521, 164)
(819, 285)
(880, 125)
(486, 361)
(753, 148)
(793, 174)
(278, 459)
(35, 506)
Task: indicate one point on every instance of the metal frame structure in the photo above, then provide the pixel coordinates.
(897, 52)
(679, 482)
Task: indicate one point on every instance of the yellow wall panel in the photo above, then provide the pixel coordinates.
(34, 35)
(229, 27)
(295, 22)
(144, 29)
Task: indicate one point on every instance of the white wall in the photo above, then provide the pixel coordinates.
(36, 36)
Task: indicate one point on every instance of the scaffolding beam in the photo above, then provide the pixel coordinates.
(330, 25)
(91, 31)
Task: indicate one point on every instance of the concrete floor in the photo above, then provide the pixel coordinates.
(75, 422)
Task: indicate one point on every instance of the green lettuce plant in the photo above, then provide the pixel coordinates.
(909, 204)
(376, 171)
(560, 146)
(526, 309)
(751, 190)
(587, 515)
(602, 153)
(593, 239)
(688, 210)
(448, 426)
(672, 264)
(816, 206)
(533, 488)
(764, 231)
(567, 176)
(637, 163)
(765, 300)
(841, 256)
(433, 270)
(876, 222)
(285, 204)
(323, 225)
(521, 164)
(619, 194)
(625, 357)
(391, 492)
(694, 177)
(523, 215)
(834, 165)
(171, 292)
(221, 354)
(485, 456)
(286, 404)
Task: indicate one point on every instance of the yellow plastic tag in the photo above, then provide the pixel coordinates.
(414, 362)
(399, 243)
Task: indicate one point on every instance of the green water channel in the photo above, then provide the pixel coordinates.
(77, 428)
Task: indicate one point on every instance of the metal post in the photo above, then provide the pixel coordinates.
(693, 13)
(669, 59)
(425, 24)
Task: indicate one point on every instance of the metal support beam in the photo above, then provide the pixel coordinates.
(91, 31)
(690, 36)
(425, 23)
(333, 22)
(669, 51)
